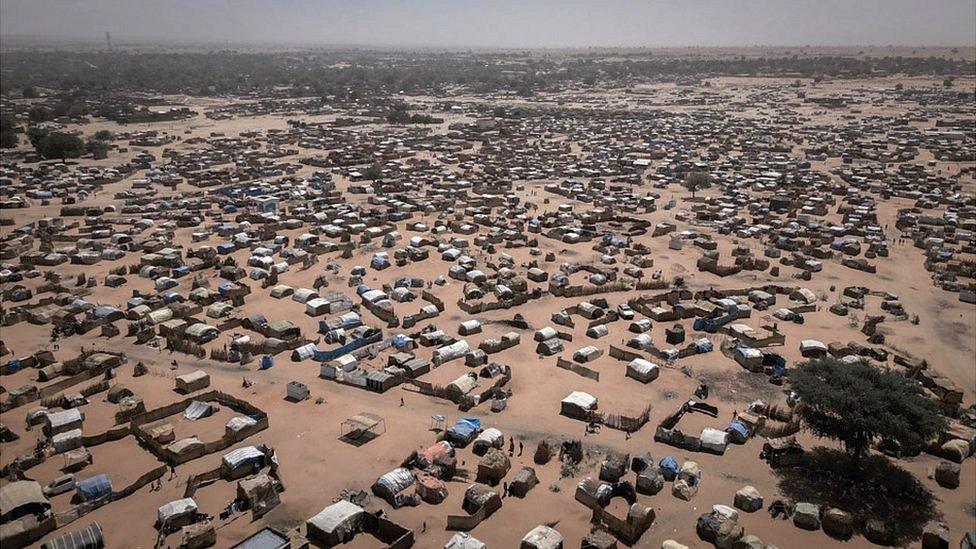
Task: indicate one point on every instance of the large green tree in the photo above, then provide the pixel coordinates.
(58, 145)
(858, 404)
(8, 132)
(696, 181)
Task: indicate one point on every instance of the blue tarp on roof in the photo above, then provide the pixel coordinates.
(134, 302)
(668, 465)
(466, 427)
(95, 487)
(267, 361)
(737, 431)
(104, 312)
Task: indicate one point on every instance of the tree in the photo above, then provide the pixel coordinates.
(8, 139)
(103, 135)
(858, 404)
(8, 132)
(35, 134)
(38, 113)
(696, 181)
(97, 148)
(373, 172)
(30, 92)
(60, 145)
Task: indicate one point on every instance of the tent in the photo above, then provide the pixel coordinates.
(578, 405)
(21, 498)
(713, 440)
(176, 512)
(89, 537)
(198, 410)
(388, 485)
(242, 461)
(668, 467)
(462, 540)
(66, 420)
(542, 537)
(738, 432)
(335, 524)
(489, 438)
(643, 370)
(450, 352)
(94, 488)
(463, 431)
(237, 425)
(304, 352)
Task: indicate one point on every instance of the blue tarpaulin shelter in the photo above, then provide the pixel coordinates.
(104, 312)
(738, 432)
(267, 361)
(463, 430)
(668, 467)
(93, 488)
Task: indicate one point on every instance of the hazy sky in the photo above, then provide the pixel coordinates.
(504, 23)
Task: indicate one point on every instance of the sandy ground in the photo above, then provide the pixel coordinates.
(316, 466)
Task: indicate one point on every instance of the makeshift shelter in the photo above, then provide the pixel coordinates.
(187, 447)
(524, 481)
(461, 540)
(462, 385)
(811, 348)
(478, 497)
(89, 537)
(201, 333)
(713, 440)
(237, 426)
(643, 370)
(587, 354)
(176, 513)
(94, 488)
(198, 410)
(21, 498)
(463, 431)
(60, 422)
(431, 489)
(578, 405)
(493, 467)
(489, 438)
(388, 485)
(450, 352)
(542, 537)
(668, 467)
(192, 382)
(336, 524)
(260, 493)
(68, 440)
(242, 462)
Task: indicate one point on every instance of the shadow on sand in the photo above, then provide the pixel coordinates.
(881, 490)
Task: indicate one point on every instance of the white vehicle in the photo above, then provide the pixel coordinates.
(60, 485)
(625, 312)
